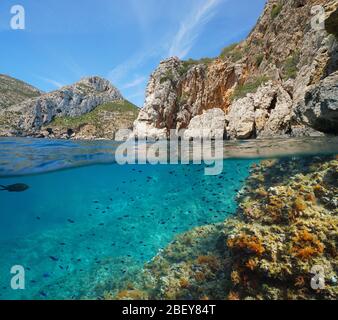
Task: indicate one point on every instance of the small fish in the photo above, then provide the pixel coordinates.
(18, 187)
(53, 258)
(70, 221)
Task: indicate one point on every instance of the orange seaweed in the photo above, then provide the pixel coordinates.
(247, 243)
(211, 261)
(306, 245)
(233, 296)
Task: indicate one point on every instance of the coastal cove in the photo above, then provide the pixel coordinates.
(190, 156)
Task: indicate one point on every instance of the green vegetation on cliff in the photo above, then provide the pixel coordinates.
(276, 10)
(232, 52)
(187, 64)
(13, 91)
(124, 110)
(249, 87)
(290, 68)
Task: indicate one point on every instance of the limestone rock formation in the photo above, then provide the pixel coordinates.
(177, 93)
(264, 113)
(210, 125)
(259, 83)
(319, 109)
(71, 101)
(89, 109)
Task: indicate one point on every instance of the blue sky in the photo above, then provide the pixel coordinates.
(121, 40)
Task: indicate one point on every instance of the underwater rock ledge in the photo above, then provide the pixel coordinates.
(286, 223)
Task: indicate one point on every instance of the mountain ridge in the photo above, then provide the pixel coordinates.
(13, 91)
(32, 117)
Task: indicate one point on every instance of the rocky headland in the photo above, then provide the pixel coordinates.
(89, 109)
(280, 81)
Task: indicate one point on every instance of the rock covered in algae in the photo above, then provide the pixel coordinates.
(285, 225)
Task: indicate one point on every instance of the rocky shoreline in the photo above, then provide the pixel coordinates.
(280, 81)
(271, 84)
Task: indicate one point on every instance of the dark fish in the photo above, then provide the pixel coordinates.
(53, 258)
(18, 187)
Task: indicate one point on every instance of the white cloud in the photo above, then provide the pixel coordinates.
(192, 26)
(53, 82)
(117, 74)
(134, 83)
(126, 68)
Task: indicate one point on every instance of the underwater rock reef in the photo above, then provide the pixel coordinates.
(286, 224)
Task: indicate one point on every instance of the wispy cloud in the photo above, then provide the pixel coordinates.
(192, 26)
(127, 68)
(53, 82)
(137, 94)
(117, 74)
(134, 83)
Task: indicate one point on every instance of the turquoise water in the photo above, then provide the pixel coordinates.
(82, 230)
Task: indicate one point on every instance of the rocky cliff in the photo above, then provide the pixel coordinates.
(89, 109)
(273, 83)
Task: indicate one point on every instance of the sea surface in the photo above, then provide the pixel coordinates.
(87, 223)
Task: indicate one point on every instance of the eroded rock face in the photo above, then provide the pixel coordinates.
(174, 96)
(262, 114)
(319, 109)
(209, 125)
(160, 108)
(284, 53)
(75, 100)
